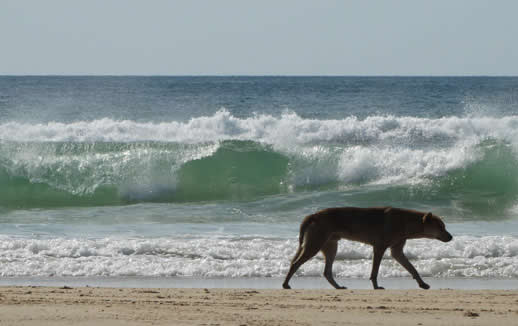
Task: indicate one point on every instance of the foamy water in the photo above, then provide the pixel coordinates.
(229, 257)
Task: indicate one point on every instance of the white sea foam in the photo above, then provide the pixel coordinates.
(395, 165)
(287, 129)
(465, 256)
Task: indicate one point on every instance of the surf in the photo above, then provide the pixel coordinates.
(469, 163)
(244, 256)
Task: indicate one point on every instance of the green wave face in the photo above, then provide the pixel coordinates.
(489, 186)
(77, 174)
(19, 192)
(84, 174)
(236, 171)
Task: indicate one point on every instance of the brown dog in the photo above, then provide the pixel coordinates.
(381, 227)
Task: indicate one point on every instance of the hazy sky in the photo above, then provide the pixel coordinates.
(219, 37)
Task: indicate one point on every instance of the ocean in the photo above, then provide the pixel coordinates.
(186, 179)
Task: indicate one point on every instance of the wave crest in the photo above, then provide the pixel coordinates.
(286, 129)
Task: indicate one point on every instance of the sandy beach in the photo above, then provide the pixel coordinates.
(29, 305)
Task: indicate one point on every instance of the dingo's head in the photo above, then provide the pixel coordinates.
(434, 228)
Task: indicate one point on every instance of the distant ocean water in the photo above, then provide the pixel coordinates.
(202, 177)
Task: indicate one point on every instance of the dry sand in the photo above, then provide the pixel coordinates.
(123, 306)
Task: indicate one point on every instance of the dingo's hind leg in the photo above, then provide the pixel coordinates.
(329, 251)
(312, 243)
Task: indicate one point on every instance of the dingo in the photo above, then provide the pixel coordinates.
(381, 227)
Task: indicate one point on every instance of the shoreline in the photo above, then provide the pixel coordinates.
(35, 305)
(302, 283)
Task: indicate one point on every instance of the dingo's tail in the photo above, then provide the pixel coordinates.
(303, 226)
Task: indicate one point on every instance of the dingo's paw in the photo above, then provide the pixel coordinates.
(424, 286)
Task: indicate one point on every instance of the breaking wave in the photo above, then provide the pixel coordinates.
(468, 161)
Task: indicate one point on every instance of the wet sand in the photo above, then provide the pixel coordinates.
(29, 305)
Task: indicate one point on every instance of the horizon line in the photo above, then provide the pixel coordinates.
(252, 75)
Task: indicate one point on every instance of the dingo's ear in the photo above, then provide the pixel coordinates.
(427, 216)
